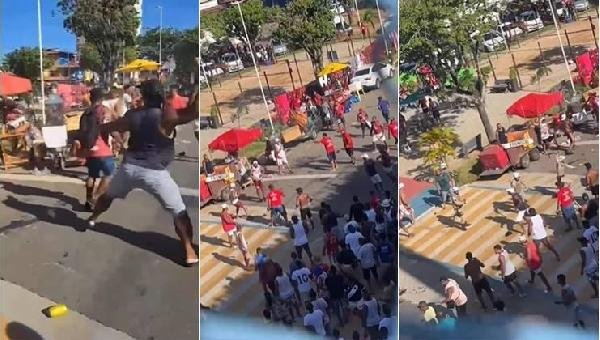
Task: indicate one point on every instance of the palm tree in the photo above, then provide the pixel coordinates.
(541, 72)
(440, 143)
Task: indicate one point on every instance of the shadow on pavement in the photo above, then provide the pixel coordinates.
(18, 331)
(159, 244)
(25, 190)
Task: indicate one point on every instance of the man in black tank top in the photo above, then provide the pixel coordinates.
(150, 152)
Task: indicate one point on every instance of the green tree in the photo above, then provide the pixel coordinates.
(370, 17)
(214, 23)
(89, 58)
(148, 43)
(107, 24)
(439, 144)
(307, 24)
(186, 56)
(130, 54)
(255, 15)
(25, 62)
(445, 35)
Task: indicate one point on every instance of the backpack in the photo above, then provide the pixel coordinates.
(89, 129)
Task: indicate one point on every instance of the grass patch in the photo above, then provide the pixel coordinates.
(254, 150)
(468, 171)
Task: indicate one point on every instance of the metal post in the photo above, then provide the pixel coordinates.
(493, 71)
(387, 52)
(593, 27)
(240, 87)
(256, 69)
(268, 86)
(569, 44)
(541, 53)
(517, 70)
(287, 61)
(297, 69)
(160, 36)
(562, 48)
(41, 56)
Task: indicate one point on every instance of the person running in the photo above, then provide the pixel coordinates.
(589, 263)
(534, 262)
(275, 204)
(228, 223)
(565, 204)
(568, 298)
(591, 179)
(285, 290)
(146, 161)
(378, 135)
(369, 306)
(508, 272)
(518, 184)
(372, 172)
(445, 182)
(393, 130)
(330, 246)
(301, 281)
(303, 201)
(386, 163)
(257, 172)
(454, 297)
(335, 284)
(299, 233)
(480, 283)
(367, 255)
(329, 150)
(521, 206)
(363, 120)
(348, 144)
(352, 239)
(279, 157)
(99, 159)
(242, 245)
(537, 230)
(384, 107)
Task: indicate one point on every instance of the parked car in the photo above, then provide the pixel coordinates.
(531, 21)
(492, 41)
(211, 70)
(371, 75)
(509, 30)
(582, 5)
(232, 62)
(279, 48)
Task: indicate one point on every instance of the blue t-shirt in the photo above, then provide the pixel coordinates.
(260, 261)
(384, 106)
(385, 251)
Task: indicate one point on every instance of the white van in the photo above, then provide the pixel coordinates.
(531, 21)
(232, 62)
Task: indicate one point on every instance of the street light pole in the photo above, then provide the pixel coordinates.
(562, 48)
(39, 23)
(382, 29)
(160, 35)
(262, 91)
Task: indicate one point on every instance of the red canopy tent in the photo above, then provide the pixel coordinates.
(11, 84)
(233, 140)
(535, 104)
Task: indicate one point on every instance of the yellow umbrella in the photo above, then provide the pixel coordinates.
(140, 65)
(332, 68)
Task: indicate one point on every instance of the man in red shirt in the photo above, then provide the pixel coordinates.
(393, 130)
(348, 144)
(565, 204)
(534, 262)
(275, 203)
(228, 223)
(377, 129)
(329, 150)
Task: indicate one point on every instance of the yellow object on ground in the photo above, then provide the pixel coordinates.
(332, 68)
(140, 65)
(58, 310)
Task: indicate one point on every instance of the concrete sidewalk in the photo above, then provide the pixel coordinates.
(21, 318)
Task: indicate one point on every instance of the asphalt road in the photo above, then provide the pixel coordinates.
(125, 272)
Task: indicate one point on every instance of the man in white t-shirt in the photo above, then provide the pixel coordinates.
(371, 214)
(369, 307)
(286, 291)
(368, 260)
(299, 232)
(352, 239)
(387, 322)
(537, 230)
(314, 320)
(301, 280)
(350, 223)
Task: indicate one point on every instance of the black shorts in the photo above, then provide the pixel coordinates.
(305, 213)
(331, 156)
(510, 278)
(349, 151)
(481, 285)
(594, 190)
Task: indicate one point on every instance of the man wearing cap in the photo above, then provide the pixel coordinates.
(520, 205)
(518, 185)
(228, 223)
(445, 182)
(372, 172)
(146, 161)
(257, 171)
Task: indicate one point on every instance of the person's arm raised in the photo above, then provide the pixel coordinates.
(120, 125)
(174, 117)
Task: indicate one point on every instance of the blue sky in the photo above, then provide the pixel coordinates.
(19, 25)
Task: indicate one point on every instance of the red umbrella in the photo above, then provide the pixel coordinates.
(535, 104)
(235, 139)
(11, 84)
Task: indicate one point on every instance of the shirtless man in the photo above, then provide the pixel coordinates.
(303, 201)
(591, 179)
